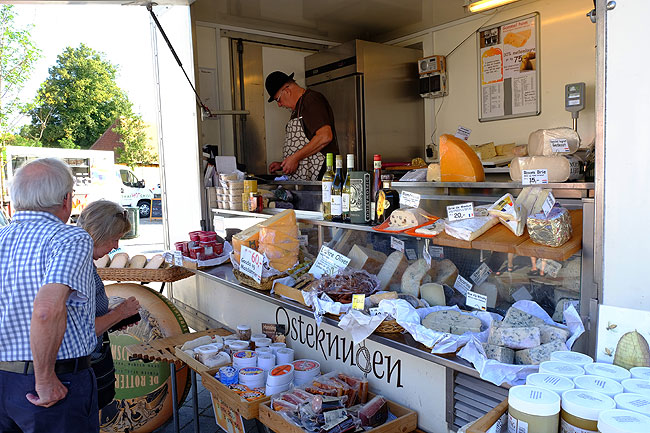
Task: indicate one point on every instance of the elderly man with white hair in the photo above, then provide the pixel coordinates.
(47, 308)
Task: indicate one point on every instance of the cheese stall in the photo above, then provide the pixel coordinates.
(503, 238)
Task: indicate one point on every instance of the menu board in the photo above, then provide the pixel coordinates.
(508, 69)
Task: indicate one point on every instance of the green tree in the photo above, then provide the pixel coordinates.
(18, 54)
(133, 135)
(78, 101)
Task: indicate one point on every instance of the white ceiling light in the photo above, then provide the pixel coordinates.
(483, 5)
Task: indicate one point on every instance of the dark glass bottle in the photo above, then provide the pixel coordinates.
(387, 200)
(376, 187)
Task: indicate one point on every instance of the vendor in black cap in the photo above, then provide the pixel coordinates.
(310, 133)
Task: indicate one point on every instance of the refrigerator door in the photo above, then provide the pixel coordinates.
(345, 97)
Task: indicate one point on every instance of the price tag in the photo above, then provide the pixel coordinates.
(476, 300)
(411, 254)
(396, 244)
(409, 199)
(169, 257)
(334, 417)
(303, 239)
(462, 285)
(460, 211)
(436, 252)
(251, 263)
(358, 302)
(178, 258)
(551, 268)
(374, 311)
(481, 274)
(463, 133)
(560, 145)
(426, 255)
(534, 177)
(328, 262)
(548, 204)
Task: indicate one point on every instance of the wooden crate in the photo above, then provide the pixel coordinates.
(191, 362)
(247, 409)
(407, 420)
(483, 424)
(289, 292)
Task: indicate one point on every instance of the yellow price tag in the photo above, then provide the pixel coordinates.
(358, 302)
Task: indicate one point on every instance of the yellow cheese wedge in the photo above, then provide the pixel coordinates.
(458, 162)
(282, 235)
(251, 236)
(279, 251)
(283, 264)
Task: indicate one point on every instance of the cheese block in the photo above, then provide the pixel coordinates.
(559, 168)
(471, 228)
(552, 230)
(408, 217)
(550, 333)
(137, 262)
(505, 149)
(521, 150)
(516, 318)
(378, 297)
(510, 214)
(499, 353)
(488, 288)
(460, 328)
(458, 162)
(119, 260)
(444, 272)
(552, 142)
(285, 220)
(517, 39)
(515, 338)
(456, 322)
(367, 259)
(539, 354)
(279, 251)
(415, 275)
(102, 262)
(485, 151)
(155, 262)
(283, 264)
(282, 235)
(390, 274)
(432, 229)
(433, 172)
(433, 293)
(247, 238)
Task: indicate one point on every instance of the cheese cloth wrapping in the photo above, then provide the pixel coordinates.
(498, 372)
(360, 325)
(439, 342)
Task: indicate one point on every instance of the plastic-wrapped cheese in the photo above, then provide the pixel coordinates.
(559, 168)
(552, 142)
(405, 218)
(471, 228)
(458, 162)
(510, 214)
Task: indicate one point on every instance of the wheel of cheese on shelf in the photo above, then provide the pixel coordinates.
(458, 162)
(143, 390)
(559, 168)
(553, 142)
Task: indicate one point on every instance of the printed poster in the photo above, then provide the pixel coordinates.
(227, 418)
(508, 69)
(616, 322)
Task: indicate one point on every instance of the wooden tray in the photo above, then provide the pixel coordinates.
(164, 275)
(407, 420)
(191, 362)
(483, 424)
(247, 409)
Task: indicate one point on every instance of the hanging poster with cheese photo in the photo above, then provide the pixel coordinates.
(508, 62)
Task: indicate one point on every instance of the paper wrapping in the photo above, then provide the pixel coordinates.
(553, 230)
(498, 372)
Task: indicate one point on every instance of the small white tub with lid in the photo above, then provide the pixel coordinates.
(600, 384)
(580, 409)
(623, 421)
(640, 373)
(634, 402)
(615, 372)
(561, 369)
(553, 382)
(571, 357)
(637, 386)
(533, 409)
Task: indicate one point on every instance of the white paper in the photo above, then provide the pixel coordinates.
(396, 244)
(436, 252)
(460, 211)
(480, 274)
(476, 300)
(323, 304)
(328, 262)
(462, 285)
(463, 133)
(534, 177)
(360, 325)
(409, 199)
(411, 254)
(251, 263)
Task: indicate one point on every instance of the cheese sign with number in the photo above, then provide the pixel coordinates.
(560, 145)
(178, 258)
(462, 285)
(396, 244)
(534, 177)
(481, 274)
(476, 300)
(358, 301)
(548, 204)
(463, 133)
(328, 262)
(409, 199)
(437, 252)
(251, 263)
(426, 255)
(411, 254)
(460, 211)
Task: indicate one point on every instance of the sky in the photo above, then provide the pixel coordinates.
(122, 33)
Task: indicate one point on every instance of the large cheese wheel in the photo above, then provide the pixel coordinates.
(458, 162)
(143, 390)
(284, 221)
(542, 141)
(559, 168)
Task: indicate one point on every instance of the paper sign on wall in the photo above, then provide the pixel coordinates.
(251, 263)
(328, 262)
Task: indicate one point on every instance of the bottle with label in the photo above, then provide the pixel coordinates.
(347, 190)
(328, 179)
(337, 191)
(387, 200)
(376, 187)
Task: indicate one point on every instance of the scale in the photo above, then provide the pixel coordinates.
(574, 101)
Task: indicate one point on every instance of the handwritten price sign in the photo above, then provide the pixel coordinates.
(328, 262)
(534, 177)
(460, 211)
(251, 263)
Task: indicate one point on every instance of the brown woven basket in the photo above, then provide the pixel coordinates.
(389, 327)
(164, 275)
(266, 284)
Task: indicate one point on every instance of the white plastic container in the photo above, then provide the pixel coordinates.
(533, 409)
(571, 357)
(280, 375)
(256, 336)
(580, 409)
(265, 361)
(561, 369)
(637, 386)
(553, 382)
(284, 356)
(634, 402)
(274, 389)
(277, 346)
(262, 342)
(261, 350)
(244, 358)
(615, 372)
(604, 385)
(623, 421)
(252, 377)
(236, 345)
(305, 370)
(640, 373)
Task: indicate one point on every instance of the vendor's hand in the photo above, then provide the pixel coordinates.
(275, 166)
(127, 308)
(290, 164)
(48, 392)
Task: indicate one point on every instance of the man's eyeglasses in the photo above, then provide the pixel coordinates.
(280, 93)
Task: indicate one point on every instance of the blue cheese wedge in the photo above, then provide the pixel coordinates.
(516, 318)
(539, 354)
(550, 333)
(452, 321)
(499, 353)
(515, 338)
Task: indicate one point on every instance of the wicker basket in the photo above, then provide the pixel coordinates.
(389, 327)
(163, 275)
(266, 284)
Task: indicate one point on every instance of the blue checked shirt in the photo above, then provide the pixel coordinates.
(38, 249)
